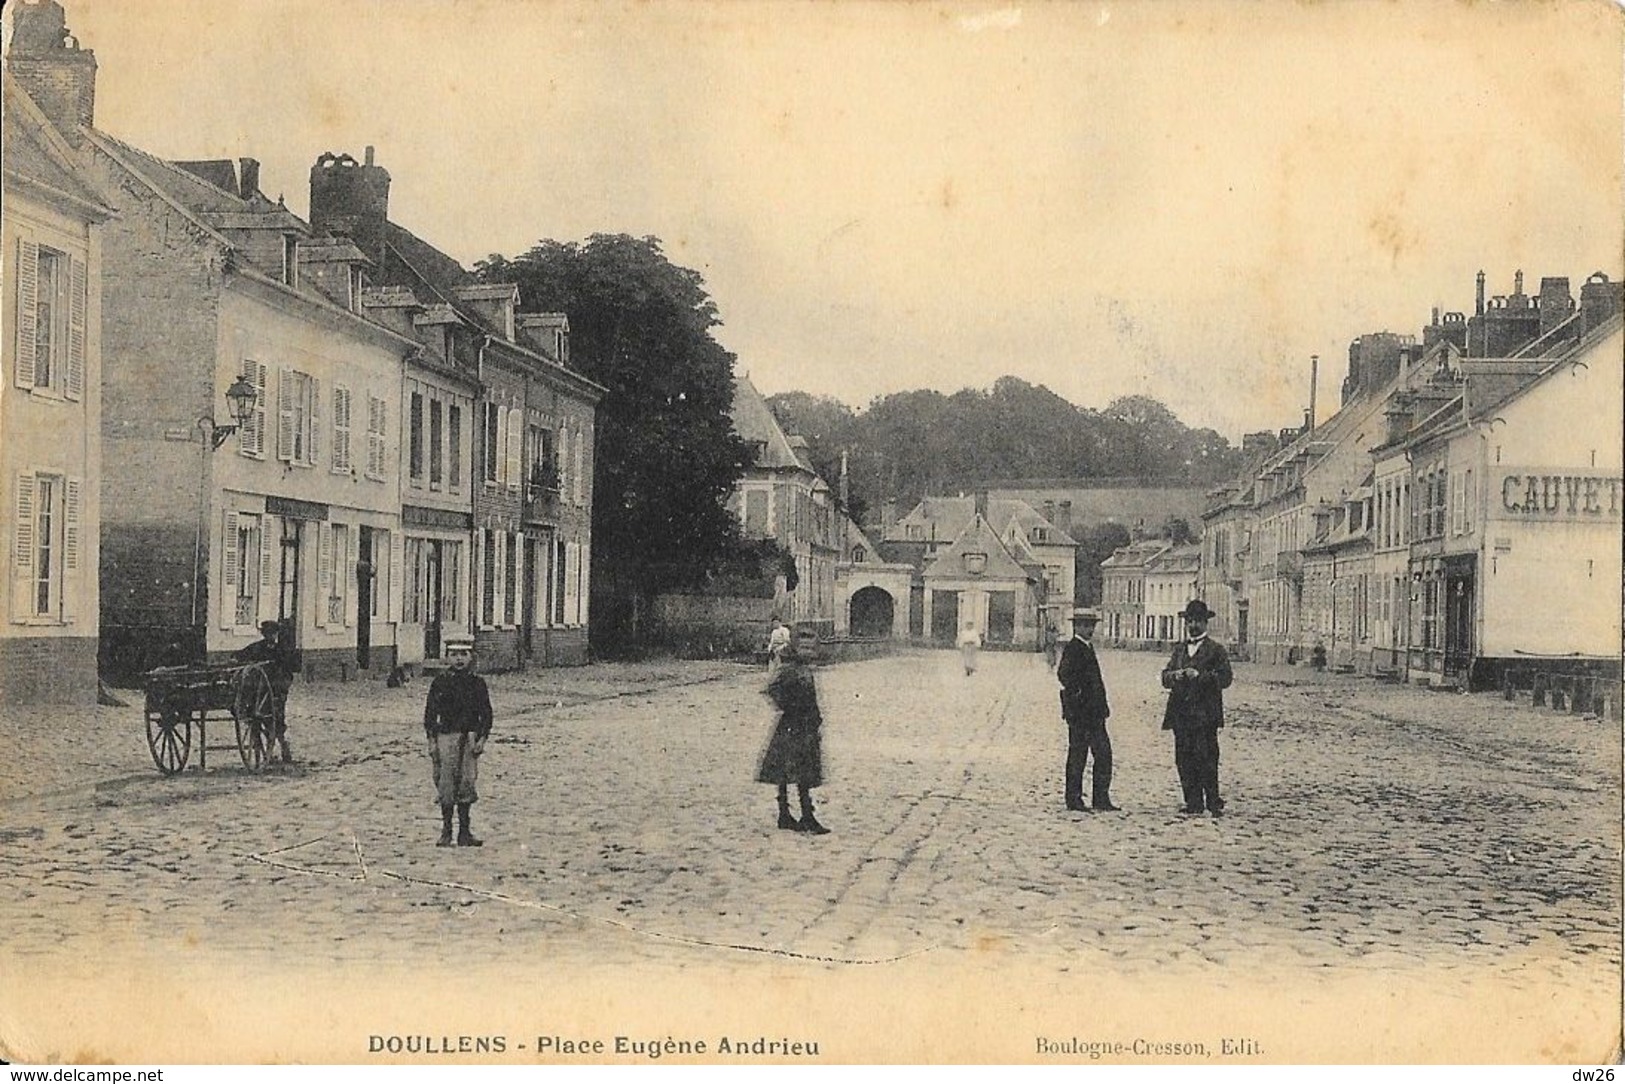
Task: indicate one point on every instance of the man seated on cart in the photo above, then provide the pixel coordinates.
(276, 652)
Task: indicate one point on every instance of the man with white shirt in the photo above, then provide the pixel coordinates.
(1084, 707)
(1196, 676)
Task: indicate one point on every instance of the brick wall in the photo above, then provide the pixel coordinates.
(48, 670)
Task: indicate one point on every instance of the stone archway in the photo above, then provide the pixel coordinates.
(871, 612)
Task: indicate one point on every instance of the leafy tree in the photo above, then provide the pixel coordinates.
(666, 456)
(1095, 544)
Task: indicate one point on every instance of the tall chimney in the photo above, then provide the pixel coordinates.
(846, 485)
(1517, 283)
(352, 199)
(1314, 383)
(1478, 306)
(47, 60)
(248, 177)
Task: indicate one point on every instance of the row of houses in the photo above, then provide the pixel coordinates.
(1001, 559)
(216, 413)
(1458, 517)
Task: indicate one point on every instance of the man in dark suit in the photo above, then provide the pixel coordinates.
(1083, 706)
(1196, 676)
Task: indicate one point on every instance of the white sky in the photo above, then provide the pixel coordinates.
(1180, 199)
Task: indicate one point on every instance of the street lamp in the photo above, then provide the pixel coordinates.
(240, 397)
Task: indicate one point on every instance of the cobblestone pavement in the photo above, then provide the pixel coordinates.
(1372, 831)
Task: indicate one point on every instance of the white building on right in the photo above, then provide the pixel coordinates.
(1514, 522)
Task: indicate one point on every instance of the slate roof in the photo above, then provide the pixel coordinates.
(950, 515)
(977, 537)
(34, 152)
(754, 422)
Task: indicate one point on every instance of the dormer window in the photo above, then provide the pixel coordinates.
(757, 449)
(857, 555)
(1040, 534)
(975, 563)
(290, 259)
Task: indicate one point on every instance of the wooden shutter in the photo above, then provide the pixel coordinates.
(499, 564)
(519, 558)
(586, 579)
(284, 415)
(397, 577)
(77, 286)
(270, 548)
(70, 530)
(27, 310)
(324, 571)
(226, 589)
(71, 579)
(516, 436)
(350, 570)
(341, 429)
(581, 465)
(313, 423)
(499, 458)
(22, 556)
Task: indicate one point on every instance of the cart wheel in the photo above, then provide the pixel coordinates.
(255, 712)
(169, 737)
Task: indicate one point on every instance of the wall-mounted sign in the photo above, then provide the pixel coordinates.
(1576, 495)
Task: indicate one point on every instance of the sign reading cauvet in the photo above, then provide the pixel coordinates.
(1541, 493)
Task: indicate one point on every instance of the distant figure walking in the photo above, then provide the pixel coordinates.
(275, 651)
(457, 721)
(777, 642)
(1084, 707)
(1196, 676)
(794, 753)
(1052, 645)
(970, 644)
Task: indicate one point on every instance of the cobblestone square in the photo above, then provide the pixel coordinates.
(1459, 854)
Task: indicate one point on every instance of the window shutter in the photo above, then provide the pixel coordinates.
(77, 286)
(516, 432)
(70, 529)
(71, 580)
(519, 558)
(226, 589)
(351, 571)
(22, 562)
(397, 578)
(284, 415)
(262, 375)
(477, 574)
(499, 565)
(341, 428)
(581, 464)
(586, 580)
(313, 424)
(270, 546)
(27, 305)
(498, 453)
(324, 571)
(564, 462)
(251, 436)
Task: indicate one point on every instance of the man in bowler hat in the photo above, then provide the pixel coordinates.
(1196, 676)
(1083, 706)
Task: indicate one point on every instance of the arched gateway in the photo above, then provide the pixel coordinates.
(871, 612)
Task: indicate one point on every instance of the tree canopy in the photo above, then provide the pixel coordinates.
(911, 443)
(666, 456)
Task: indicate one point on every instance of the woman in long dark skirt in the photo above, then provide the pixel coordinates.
(794, 753)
